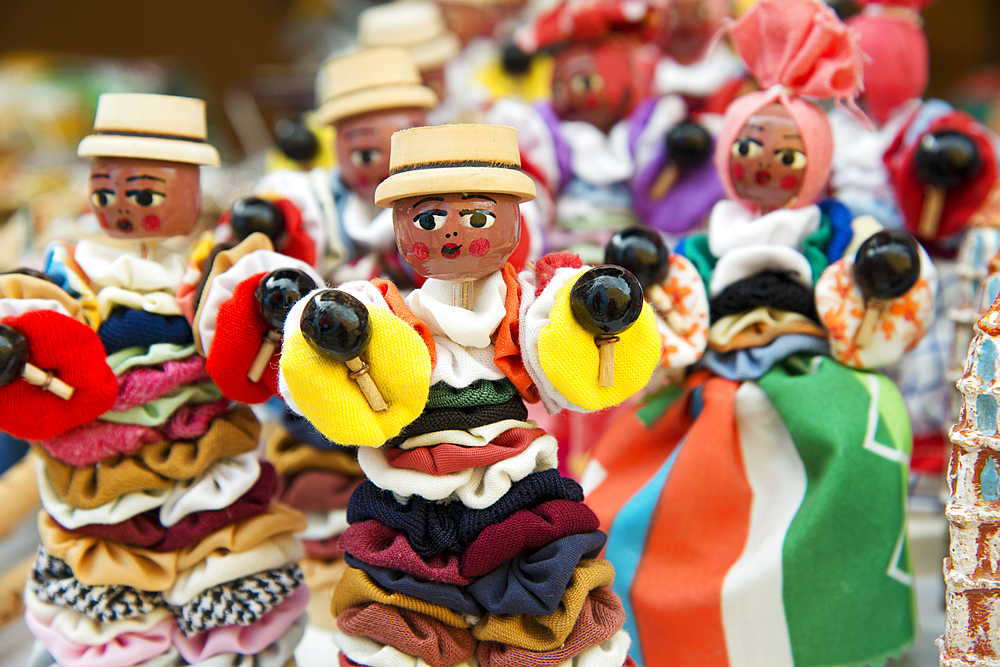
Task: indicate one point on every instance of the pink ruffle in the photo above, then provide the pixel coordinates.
(244, 639)
(126, 649)
(147, 383)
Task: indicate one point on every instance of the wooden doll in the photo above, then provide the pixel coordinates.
(328, 218)
(465, 532)
(158, 539)
(759, 507)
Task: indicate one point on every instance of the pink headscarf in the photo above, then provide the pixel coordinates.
(890, 34)
(793, 48)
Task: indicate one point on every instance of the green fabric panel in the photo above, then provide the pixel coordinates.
(815, 245)
(158, 411)
(158, 353)
(697, 252)
(655, 404)
(480, 392)
(841, 605)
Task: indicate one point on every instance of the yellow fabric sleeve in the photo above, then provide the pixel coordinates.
(570, 358)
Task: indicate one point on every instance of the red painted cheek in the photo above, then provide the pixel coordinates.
(737, 170)
(789, 182)
(420, 251)
(101, 219)
(151, 223)
(479, 247)
(362, 181)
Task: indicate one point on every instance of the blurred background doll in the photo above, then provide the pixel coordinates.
(732, 499)
(159, 540)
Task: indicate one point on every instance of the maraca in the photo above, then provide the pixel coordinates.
(643, 253)
(276, 293)
(295, 140)
(256, 215)
(14, 364)
(337, 324)
(689, 145)
(886, 267)
(606, 301)
(944, 159)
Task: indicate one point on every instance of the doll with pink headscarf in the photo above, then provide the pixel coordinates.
(756, 511)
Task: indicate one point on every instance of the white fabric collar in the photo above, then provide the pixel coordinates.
(858, 151)
(374, 233)
(732, 226)
(598, 158)
(110, 266)
(699, 79)
(433, 304)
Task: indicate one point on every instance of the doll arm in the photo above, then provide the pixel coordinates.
(562, 357)
(318, 386)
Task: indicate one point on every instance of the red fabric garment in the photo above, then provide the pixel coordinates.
(436, 643)
(325, 550)
(445, 459)
(317, 490)
(238, 328)
(959, 203)
(506, 340)
(74, 354)
(296, 243)
(525, 530)
(145, 530)
(344, 661)
(377, 544)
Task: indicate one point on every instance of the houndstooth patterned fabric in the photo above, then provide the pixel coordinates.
(52, 580)
(239, 602)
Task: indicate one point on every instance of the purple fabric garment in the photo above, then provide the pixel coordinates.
(563, 155)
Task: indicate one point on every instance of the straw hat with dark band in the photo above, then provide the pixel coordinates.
(371, 80)
(415, 25)
(454, 158)
(152, 127)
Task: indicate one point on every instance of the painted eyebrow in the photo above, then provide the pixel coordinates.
(144, 176)
(427, 199)
(759, 128)
(464, 197)
(360, 130)
(99, 176)
(793, 136)
(129, 193)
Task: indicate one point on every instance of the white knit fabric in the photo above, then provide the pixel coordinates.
(434, 303)
(15, 307)
(365, 651)
(110, 266)
(731, 226)
(670, 110)
(161, 303)
(324, 525)
(478, 436)
(701, 78)
(219, 568)
(745, 262)
(476, 488)
(224, 285)
(122, 508)
(79, 628)
(609, 653)
(219, 486)
(595, 157)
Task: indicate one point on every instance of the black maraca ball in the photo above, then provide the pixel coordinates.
(642, 252)
(13, 354)
(606, 300)
(946, 159)
(689, 144)
(256, 215)
(887, 264)
(514, 61)
(295, 140)
(278, 291)
(337, 323)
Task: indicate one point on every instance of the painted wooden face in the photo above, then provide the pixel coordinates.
(581, 91)
(362, 147)
(689, 28)
(767, 161)
(141, 199)
(457, 236)
(470, 21)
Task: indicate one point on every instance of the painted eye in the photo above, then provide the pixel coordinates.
(791, 158)
(364, 157)
(478, 219)
(101, 198)
(747, 148)
(146, 197)
(430, 220)
(582, 83)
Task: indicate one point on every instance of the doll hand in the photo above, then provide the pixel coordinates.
(69, 350)
(878, 305)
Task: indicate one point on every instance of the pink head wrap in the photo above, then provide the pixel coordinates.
(890, 34)
(793, 48)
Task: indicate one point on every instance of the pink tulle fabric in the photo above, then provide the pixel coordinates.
(126, 649)
(99, 440)
(793, 48)
(147, 383)
(244, 639)
(897, 60)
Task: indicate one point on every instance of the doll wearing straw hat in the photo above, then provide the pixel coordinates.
(328, 218)
(158, 541)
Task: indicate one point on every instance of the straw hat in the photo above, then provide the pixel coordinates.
(370, 80)
(454, 158)
(154, 127)
(414, 25)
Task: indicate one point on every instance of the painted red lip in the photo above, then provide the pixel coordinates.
(451, 250)
(763, 177)
(124, 224)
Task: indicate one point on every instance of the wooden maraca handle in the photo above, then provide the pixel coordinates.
(47, 381)
(264, 354)
(606, 360)
(869, 323)
(665, 306)
(359, 373)
(930, 214)
(665, 181)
